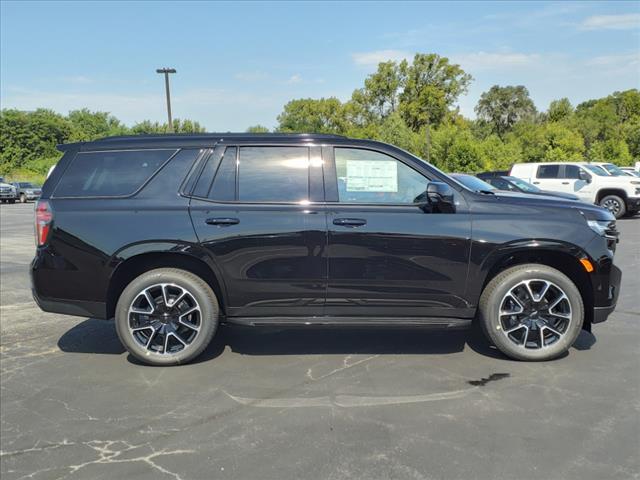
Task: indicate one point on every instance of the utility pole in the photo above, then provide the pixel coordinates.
(166, 72)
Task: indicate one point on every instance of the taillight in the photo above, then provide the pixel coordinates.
(44, 216)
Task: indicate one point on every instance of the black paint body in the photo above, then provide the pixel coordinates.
(292, 261)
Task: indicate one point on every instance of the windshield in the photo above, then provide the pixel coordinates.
(597, 170)
(473, 183)
(25, 185)
(613, 170)
(522, 185)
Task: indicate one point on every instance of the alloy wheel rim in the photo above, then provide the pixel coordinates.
(164, 319)
(612, 205)
(535, 314)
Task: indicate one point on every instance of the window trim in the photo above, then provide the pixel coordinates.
(130, 195)
(194, 172)
(332, 170)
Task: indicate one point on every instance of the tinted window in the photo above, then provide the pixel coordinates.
(273, 174)
(548, 171)
(500, 183)
(365, 176)
(98, 174)
(571, 171)
(224, 185)
(206, 177)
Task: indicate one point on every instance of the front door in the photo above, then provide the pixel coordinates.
(254, 209)
(388, 257)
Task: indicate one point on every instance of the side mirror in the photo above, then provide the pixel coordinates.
(585, 176)
(440, 197)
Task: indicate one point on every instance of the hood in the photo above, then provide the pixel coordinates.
(568, 196)
(589, 210)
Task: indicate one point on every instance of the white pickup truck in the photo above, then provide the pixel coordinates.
(621, 195)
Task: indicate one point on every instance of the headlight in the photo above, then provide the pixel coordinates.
(604, 228)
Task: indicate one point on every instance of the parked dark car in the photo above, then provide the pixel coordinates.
(27, 191)
(515, 184)
(174, 234)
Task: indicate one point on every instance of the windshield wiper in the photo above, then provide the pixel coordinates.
(486, 192)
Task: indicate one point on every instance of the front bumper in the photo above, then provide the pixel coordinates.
(606, 285)
(633, 203)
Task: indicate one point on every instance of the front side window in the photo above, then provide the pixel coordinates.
(572, 172)
(110, 173)
(273, 174)
(365, 176)
(548, 171)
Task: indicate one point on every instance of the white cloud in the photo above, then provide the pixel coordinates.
(377, 56)
(623, 60)
(496, 60)
(625, 21)
(293, 79)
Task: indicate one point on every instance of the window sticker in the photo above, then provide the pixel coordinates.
(372, 176)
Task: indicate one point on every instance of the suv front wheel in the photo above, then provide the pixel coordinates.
(166, 316)
(615, 205)
(531, 312)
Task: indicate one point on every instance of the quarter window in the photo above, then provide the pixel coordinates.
(110, 173)
(273, 174)
(365, 176)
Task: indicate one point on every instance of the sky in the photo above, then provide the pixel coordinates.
(239, 63)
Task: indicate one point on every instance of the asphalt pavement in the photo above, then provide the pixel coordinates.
(311, 404)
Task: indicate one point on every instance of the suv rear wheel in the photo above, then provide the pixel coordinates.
(166, 316)
(614, 204)
(531, 312)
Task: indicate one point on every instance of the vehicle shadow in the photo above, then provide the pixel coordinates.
(99, 337)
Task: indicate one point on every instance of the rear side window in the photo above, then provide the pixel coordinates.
(110, 174)
(548, 171)
(273, 174)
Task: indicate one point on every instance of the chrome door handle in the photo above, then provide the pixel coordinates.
(224, 222)
(349, 222)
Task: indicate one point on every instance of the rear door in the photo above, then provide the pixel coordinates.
(548, 177)
(387, 257)
(258, 211)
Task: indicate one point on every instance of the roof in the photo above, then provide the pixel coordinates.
(196, 139)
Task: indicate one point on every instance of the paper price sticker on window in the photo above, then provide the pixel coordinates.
(372, 176)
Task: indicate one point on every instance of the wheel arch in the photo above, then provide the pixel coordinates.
(611, 191)
(135, 265)
(562, 257)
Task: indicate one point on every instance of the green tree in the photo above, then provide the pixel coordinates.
(380, 95)
(88, 125)
(612, 150)
(432, 85)
(257, 129)
(326, 115)
(26, 137)
(503, 107)
(548, 142)
(559, 110)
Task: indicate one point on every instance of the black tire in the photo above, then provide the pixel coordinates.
(200, 292)
(614, 204)
(497, 291)
(23, 198)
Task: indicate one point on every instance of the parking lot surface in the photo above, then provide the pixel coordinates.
(311, 404)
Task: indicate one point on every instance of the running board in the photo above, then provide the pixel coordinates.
(430, 322)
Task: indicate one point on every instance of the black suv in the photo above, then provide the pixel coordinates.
(174, 234)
